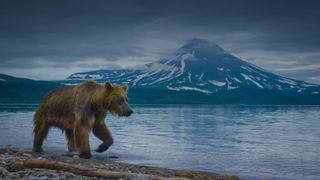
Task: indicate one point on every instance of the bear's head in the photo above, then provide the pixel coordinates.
(118, 99)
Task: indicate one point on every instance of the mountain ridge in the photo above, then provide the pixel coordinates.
(23, 90)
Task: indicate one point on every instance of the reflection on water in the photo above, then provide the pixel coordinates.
(281, 142)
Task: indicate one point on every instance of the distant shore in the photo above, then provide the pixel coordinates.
(16, 164)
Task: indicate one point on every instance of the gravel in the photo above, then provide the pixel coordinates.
(103, 164)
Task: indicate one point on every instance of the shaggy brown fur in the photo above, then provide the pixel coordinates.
(77, 110)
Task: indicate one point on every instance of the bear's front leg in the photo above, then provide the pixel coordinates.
(81, 140)
(101, 131)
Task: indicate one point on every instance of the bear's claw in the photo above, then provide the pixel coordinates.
(37, 149)
(85, 155)
(103, 147)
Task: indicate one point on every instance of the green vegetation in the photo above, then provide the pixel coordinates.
(19, 90)
(244, 96)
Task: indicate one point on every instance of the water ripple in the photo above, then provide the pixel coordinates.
(277, 142)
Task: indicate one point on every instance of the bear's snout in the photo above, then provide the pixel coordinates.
(129, 112)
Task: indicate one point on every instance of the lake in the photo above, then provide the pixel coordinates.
(274, 142)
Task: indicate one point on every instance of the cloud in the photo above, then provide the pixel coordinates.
(297, 65)
(301, 68)
(82, 35)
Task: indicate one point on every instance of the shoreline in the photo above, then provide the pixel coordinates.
(9, 157)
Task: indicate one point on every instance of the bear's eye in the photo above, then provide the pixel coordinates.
(121, 101)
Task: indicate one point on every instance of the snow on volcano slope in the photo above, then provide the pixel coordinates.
(200, 66)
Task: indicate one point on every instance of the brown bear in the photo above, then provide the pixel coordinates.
(78, 109)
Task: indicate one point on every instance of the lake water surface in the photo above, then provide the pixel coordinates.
(274, 142)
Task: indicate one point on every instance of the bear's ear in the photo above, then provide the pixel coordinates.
(125, 88)
(108, 87)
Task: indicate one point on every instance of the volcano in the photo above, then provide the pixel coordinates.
(203, 67)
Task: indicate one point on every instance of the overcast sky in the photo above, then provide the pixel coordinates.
(53, 39)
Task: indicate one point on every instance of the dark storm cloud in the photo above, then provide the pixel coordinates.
(73, 34)
(60, 29)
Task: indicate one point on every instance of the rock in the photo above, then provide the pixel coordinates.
(138, 177)
(62, 177)
(43, 178)
(13, 176)
(69, 175)
(50, 174)
(41, 158)
(22, 173)
(32, 178)
(3, 172)
(230, 176)
(8, 160)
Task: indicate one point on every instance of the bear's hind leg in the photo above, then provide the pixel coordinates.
(70, 139)
(40, 133)
(102, 132)
(81, 140)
